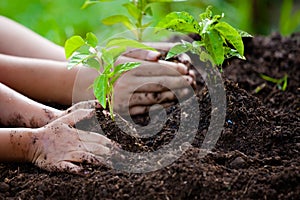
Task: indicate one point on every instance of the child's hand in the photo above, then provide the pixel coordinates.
(58, 146)
(149, 84)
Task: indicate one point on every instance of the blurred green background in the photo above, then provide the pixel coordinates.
(59, 19)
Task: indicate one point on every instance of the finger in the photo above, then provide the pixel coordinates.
(184, 58)
(137, 110)
(142, 54)
(76, 116)
(163, 83)
(192, 73)
(62, 166)
(159, 68)
(83, 105)
(180, 67)
(143, 99)
(164, 46)
(86, 157)
(94, 138)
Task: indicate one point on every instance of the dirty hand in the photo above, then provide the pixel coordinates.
(153, 82)
(58, 146)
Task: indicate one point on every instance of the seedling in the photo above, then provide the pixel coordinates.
(138, 10)
(86, 52)
(219, 39)
(280, 83)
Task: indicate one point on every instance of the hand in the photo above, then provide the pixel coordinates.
(176, 76)
(152, 82)
(58, 146)
(149, 84)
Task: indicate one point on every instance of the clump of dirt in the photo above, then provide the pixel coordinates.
(256, 157)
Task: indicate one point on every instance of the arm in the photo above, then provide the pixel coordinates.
(18, 40)
(40, 79)
(57, 146)
(15, 144)
(20, 111)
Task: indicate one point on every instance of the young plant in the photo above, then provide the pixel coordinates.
(281, 83)
(86, 52)
(219, 39)
(137, 10)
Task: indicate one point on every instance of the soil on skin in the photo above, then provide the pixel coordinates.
(256, 157)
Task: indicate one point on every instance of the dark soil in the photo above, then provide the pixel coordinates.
(256, 157)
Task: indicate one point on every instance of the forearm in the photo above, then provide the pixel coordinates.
(15, 144)
(18, 40)
(19, 111)
(42, 80)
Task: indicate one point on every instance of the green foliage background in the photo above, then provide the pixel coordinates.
(58, 20)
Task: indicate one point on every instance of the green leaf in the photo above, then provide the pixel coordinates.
(228, 52)
(107, 58)
(214, 45)
(93, 63)
(204, 56)
(90, 2)
(124, 42)
(148, 10)
(77, 59)
(72, 44)
(116, 52)
(119, 19)
(91, 39)
(231, 35)
(100, 89)
(180, 21)
(207, 14)
(125, 67)
(285, 82)
(133, 10)
(244, 33)
(119, 69)
(270, 79)
(160, 1)
(178, 49)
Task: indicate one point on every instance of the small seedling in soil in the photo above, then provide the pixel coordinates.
(86, 52)
(219, 39)
(138, 11)
(281, 83)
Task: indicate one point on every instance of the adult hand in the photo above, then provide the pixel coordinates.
(58, 146)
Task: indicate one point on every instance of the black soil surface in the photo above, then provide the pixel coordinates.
(256, 157)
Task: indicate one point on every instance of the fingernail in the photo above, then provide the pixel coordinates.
(184, 67)
(153, 55)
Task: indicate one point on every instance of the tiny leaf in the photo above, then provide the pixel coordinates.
(72, 44)
(91, 39)
(231, 35)
(133, 10)
(107, 57)
(125, 67)
(214, 45)
(119, 19)
(116, 52)
(100, 89)
(124, 42)
(77, 59)
(180, 21)
(93, 63)
(178, 49)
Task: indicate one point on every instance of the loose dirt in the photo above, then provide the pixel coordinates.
(256, 157)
